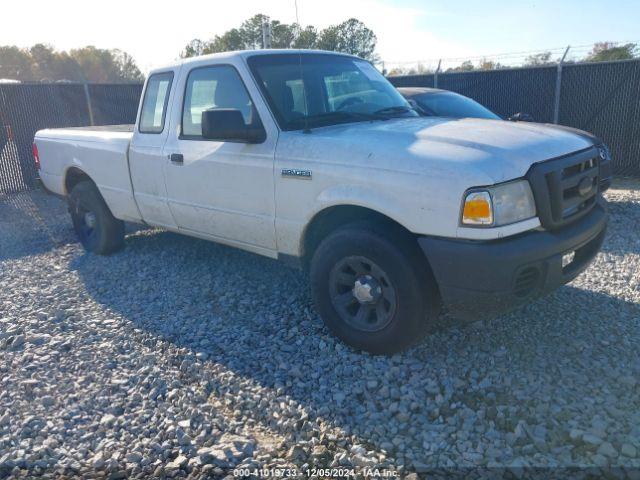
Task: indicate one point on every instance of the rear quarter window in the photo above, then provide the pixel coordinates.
(154, 105)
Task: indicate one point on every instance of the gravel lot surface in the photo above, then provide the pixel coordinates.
(178, 357)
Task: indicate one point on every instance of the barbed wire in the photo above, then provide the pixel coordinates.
(575, 51)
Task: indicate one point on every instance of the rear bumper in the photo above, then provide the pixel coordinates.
(491, 277)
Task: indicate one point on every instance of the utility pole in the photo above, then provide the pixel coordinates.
(556, 103)
(266, 34)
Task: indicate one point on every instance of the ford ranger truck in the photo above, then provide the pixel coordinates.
(314, 158)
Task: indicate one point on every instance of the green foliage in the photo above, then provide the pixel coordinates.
(419, 69)
(538, 60)
(351, 36)
(283, 35)
(306, 38)
(465, 66)
(607, 51)
(88, 64)
(483, 64)
(15, 63)
(489, 65)
(231, 40)
(194, 48)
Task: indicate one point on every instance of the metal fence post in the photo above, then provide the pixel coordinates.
(89, 106)
(435, 75)
(556, 103)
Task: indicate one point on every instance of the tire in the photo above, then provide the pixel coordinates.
(98, 230)
(393, 300)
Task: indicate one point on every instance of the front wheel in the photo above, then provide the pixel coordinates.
(98, 230)
(372, 289)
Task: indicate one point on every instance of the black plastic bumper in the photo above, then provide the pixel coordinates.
(491, 277)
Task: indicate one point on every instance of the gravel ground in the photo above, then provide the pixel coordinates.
(178, 357)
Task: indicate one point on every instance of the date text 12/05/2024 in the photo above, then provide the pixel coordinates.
(341, 473)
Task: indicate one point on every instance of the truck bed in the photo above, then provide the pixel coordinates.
(125, 128)
(101, 152)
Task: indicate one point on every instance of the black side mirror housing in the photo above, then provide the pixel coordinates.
(520, 117)
(227, 124)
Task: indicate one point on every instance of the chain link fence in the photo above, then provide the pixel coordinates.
(602, 98)
(26, 108)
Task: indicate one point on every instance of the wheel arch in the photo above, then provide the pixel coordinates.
(335, 216)
(73, 176)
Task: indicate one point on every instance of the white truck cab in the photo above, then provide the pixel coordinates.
(314, 158)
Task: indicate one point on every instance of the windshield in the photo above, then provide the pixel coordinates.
(312, 90)
(448, 104)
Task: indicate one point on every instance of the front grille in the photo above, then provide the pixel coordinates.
(565, 188)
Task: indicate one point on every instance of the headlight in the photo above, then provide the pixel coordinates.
(499, 205)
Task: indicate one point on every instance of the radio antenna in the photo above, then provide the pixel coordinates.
(304, 90)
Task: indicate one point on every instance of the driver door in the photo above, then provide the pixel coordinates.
(223, 190)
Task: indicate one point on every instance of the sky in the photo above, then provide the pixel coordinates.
(408, 31)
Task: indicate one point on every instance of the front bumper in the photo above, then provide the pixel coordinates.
(491, 277)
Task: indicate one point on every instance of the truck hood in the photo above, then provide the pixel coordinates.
(500, 150)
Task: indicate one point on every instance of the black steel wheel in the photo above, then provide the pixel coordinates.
(373, 288)
(362, 293)
(97, 229)
(86, 221)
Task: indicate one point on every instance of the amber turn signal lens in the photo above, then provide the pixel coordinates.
(477, 209)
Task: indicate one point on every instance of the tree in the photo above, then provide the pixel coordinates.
(127, 67)
(96, 65)
(231, 40)
(351, 37)
(465, 66)
(15, 63)
(419, 69)
(283, 35)
(306, 38)
(247, 37)
(606, 51)
(106, 66)
(489, 65)
(44, 63)
(194, 48)
(538, 59)
(251, 31)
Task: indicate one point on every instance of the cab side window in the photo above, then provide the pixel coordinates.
(213, 87)
(154, 105)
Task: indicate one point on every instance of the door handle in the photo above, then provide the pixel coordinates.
(176, 158)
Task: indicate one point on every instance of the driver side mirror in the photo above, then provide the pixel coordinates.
(227, 124)
(520, 117)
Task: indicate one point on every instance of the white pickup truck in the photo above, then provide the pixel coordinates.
(314, 158)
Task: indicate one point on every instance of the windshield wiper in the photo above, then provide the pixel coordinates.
(394, 109)
(337, 115)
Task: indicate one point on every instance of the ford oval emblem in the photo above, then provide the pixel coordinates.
(585, 185)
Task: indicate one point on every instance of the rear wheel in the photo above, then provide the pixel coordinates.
(372, 289)
(98, 230)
